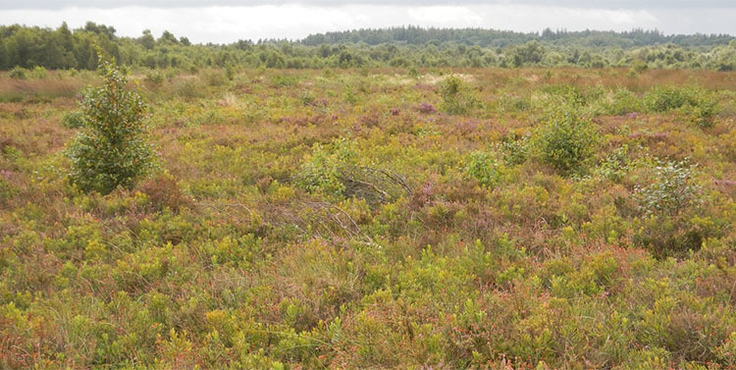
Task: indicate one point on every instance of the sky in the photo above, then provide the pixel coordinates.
(225, 21)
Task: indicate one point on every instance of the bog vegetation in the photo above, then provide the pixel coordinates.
(419, 217)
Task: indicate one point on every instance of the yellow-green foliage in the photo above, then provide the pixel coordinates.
(566, 140)
(334, 219)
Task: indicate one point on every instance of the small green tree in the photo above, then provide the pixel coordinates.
(111, 149)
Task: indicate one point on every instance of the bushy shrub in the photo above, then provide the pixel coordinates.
(19, 73)
(426, 108)
(671, 223)
(701, 109)
(665, 98)
(215, 78)
(566, 140)
(73, 120)
(622, 101)
(306, 98)
(456, 97)
(155, 77)
(111, 150)
(515, 150)
(567, 94)
(697, 104)
(673, 190)
(38, 72)
(614, 165)
(482, 167)
(321, 173)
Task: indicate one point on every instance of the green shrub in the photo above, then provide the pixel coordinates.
(215, 78)
(38, 72)
(19, 73)
(673, 190)
(670, 224)
(306, 98)
(614, 165)
(456, 99)
(697, 104)
(321, 173)
(73, 120)
(566, 141)
(482, 167)
(111, 149)
(567, 94)
(155, 77)
(622, 101)
(665, 98)
(515, 150)
(281, 80)
(701, 109)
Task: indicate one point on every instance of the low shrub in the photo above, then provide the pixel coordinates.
(482, 167)
(622, 101)
(673, 190)
(155, 77)
(566, 141)
(336, 172)
(73, 120)
(426, 108)
(19, 73)
(699, 106)
(665, 98)
(456, 96)
(515, 149)
(190, 88)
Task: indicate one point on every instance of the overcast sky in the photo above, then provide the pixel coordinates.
(224, 21)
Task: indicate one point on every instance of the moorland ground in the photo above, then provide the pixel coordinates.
(378, 218)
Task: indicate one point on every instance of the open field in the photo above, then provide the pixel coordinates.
(379, 218)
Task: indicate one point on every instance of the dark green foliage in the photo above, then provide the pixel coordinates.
(401, 47)
(111, 150)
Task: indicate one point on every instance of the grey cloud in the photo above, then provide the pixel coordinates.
(599, 4)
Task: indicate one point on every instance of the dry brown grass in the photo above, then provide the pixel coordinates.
(48, 88)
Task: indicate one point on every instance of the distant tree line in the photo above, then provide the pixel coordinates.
(63, 48)
(495, 38)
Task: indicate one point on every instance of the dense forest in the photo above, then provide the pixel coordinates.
(23, 48)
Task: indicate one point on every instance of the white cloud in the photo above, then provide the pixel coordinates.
(444, 16)
(231, 23)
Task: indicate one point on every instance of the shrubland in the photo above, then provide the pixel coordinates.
(356, 218)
